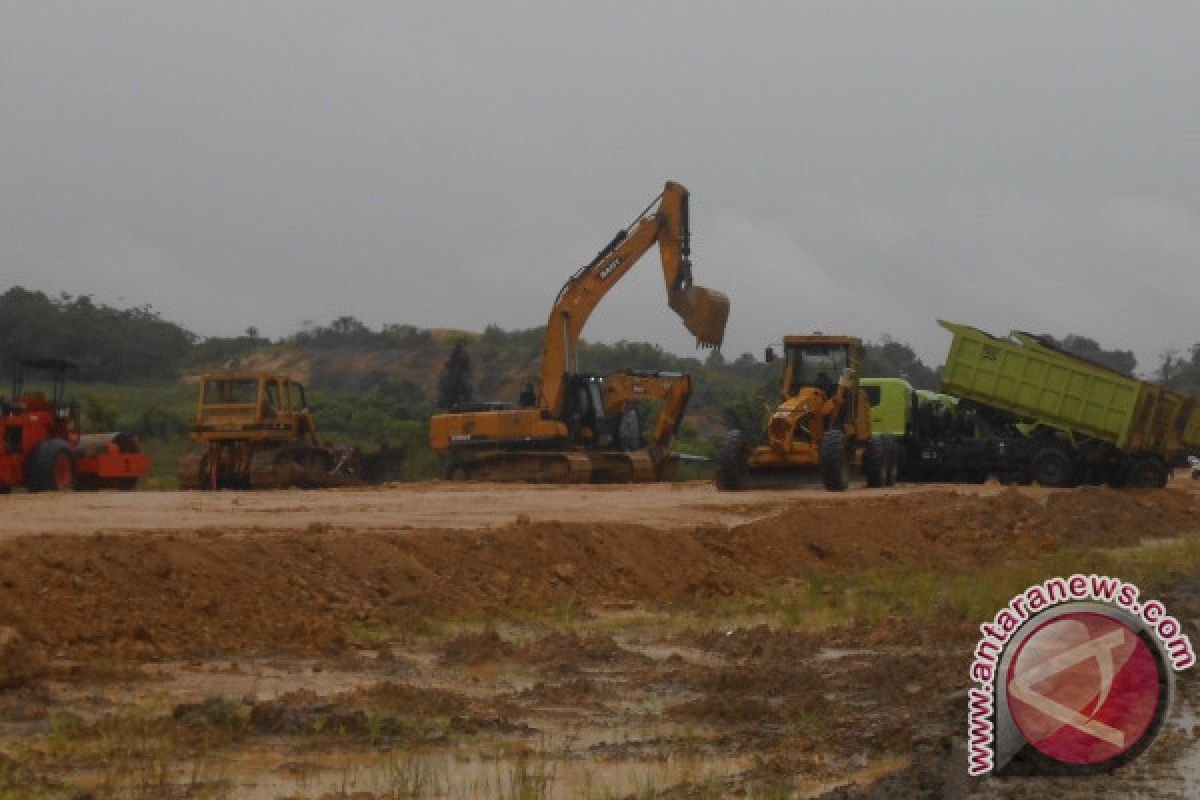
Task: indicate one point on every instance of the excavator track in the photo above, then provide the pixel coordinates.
(556, 467)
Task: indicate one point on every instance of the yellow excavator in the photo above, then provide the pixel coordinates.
(574, 427)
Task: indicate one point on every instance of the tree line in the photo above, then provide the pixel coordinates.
(133, 345)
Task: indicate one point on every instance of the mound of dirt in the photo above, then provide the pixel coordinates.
(469, 649)
(392, 708)
(1108, 517)
(402, 698)
(573, 694)
(20, 663)
(760, 642)
(145, 596)
(568, 652)
(726, 710)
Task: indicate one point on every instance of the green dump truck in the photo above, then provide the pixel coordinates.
(1030, 411)
(921, 422)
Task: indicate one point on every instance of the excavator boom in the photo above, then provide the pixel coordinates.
(704, 311)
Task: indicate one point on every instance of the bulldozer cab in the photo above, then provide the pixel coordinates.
(818, 362)
(252, 405)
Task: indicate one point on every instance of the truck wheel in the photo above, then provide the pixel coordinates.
(892, 463)
(732, 457)
(926, 420)
(874, 462)
(1147, 473)
(1116, 475)
(1052, 467)
(51, 467)
(976, 475)
(835, 461)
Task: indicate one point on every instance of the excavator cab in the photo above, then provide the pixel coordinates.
(587, 421)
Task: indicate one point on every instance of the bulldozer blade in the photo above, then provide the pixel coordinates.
(704, 312)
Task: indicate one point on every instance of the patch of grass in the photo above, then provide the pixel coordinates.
(528, 779)
(63, 740)
(780, 789)
(565, 612)
(810, 722)
(409, 777)
(369, 637)
(225, 717)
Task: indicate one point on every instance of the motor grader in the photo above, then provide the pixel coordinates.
(577, 427)
(821, 424)
(257, 432)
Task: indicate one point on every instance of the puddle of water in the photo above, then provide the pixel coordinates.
(838, 653)
(1188, 765)
(691, 655)
(447, 774)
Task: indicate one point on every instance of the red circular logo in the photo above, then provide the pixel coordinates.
(1083, 688)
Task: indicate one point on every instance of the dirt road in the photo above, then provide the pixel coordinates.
(459, 641)
(415, 506)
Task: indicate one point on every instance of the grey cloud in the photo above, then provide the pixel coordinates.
(861, 167)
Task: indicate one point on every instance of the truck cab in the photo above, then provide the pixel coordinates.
(893, 405)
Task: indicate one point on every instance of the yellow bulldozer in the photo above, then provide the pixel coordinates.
(256, 432)
(820, 426)
(576, 427)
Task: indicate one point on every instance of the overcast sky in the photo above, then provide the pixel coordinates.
(855, 167)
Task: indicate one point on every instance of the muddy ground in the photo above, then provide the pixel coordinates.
(492, 641)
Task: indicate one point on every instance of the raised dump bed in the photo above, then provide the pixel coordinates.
(1127, 429)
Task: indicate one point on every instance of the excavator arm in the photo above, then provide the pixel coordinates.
(704, 311)
(673, 388)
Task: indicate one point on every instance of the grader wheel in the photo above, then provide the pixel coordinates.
(732, 458)
(835, 461)
(875, 462)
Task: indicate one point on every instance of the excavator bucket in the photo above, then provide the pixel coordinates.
(704, 312)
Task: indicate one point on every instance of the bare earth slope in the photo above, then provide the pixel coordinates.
(573, 641)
